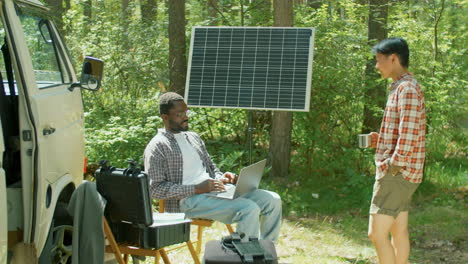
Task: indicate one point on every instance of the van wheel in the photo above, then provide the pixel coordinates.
(62, 244)
(58, 246)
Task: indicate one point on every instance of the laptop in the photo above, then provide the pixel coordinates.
(248, 180)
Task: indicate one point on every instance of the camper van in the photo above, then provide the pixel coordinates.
(41, 134)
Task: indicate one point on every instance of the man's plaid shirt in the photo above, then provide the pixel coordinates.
(164, 165)
(403, 132)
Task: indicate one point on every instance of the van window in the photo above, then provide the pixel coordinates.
(8, 78)
(49, 68)
(11, 158)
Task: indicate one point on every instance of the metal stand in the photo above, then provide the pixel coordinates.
(250, 130)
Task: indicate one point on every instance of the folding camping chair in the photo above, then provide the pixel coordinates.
(127, 249)
(201, 224)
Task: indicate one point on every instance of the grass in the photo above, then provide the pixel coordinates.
(304, 240)
(333, 227)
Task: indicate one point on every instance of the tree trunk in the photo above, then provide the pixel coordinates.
(315, 3)
(260, 13)
(125, 11)
(280, 141)
(213, 10)
(437, 17)
(87, 10)
(149, 10)
(124, 22)
(375, 93)
(88, 14)
(177, 56)
(57, 10)
(67, 5)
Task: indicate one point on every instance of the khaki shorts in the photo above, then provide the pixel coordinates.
(392, 195)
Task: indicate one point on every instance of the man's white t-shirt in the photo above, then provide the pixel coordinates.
(193, 172)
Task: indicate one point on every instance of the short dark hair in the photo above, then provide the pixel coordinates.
(396, 46)
(166, 102)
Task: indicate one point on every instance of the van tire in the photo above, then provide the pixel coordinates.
(58, 247)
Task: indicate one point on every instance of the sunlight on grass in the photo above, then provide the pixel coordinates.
(438, 235)
(446, 176)
(318, 240)
(437, 224)
(322, 240)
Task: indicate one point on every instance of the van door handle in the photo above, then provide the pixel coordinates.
(48, 131)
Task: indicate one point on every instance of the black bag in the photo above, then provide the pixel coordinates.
(232, 250)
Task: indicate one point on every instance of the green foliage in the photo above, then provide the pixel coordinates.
(120, 137)
(441, 72)
(325, 160)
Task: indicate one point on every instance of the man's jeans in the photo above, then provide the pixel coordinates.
(257, 212)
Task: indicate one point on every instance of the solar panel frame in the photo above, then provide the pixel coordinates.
(223, 57)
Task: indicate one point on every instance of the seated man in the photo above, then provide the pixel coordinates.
(182, 172)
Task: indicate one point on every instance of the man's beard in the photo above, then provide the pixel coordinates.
(177, 127)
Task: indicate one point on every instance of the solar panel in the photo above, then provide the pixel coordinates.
(267, 68)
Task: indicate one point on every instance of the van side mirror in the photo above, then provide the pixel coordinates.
(91, 74)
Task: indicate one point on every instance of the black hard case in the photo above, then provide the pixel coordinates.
(129, 210)
(157, 235)
(215, 253)
(123, 190)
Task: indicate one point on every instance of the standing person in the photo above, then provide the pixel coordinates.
(182, 172)
(400, 153)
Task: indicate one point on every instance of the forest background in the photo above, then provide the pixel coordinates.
(328, 178)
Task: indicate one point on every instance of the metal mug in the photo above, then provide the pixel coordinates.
(364, 140)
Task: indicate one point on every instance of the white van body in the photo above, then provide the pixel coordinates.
(42, 136)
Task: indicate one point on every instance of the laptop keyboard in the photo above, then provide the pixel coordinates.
(228, 193)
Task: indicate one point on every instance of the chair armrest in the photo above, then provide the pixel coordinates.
(161, 206)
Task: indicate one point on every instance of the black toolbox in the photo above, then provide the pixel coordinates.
(129, 212)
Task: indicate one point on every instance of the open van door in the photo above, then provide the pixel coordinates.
(42, 139)
(3, 206)
(51, 115)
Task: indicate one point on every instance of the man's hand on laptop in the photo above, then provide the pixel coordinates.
(210, 185)
(229, 177)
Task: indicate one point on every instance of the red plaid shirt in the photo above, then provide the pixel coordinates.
(403, 132)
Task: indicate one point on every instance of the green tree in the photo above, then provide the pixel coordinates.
(58, 8)
(375, 91)
(177, 47)
(280, 142)
(149, 11)
(123, 117)
(87, 13)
